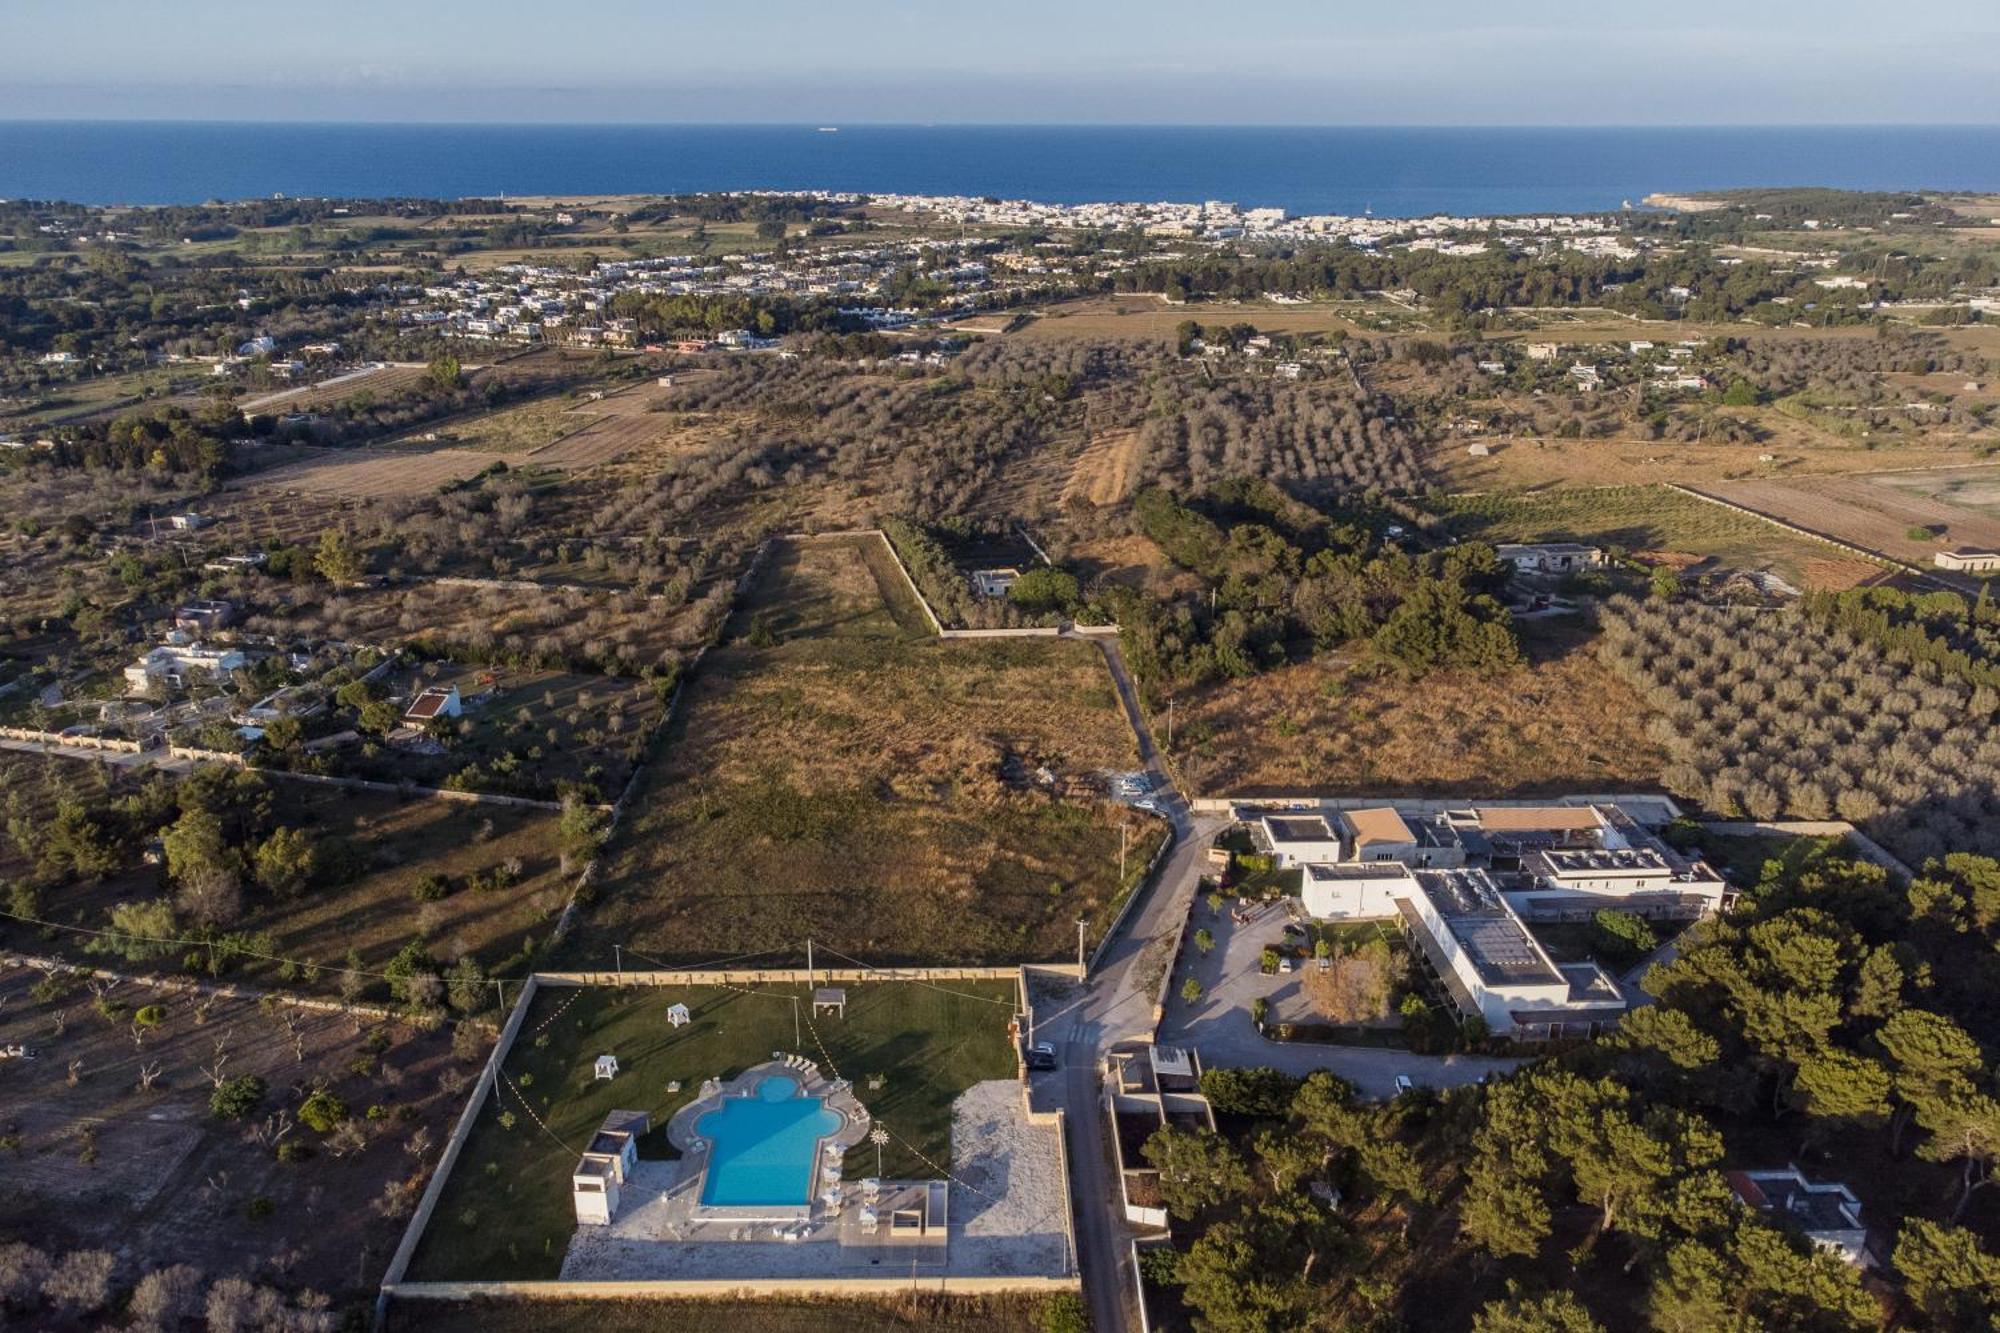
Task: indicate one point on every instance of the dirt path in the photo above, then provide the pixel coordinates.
(1104, 474)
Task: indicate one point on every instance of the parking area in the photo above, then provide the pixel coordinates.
(1219, 1024)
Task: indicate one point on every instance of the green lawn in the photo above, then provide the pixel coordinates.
(506, 1210)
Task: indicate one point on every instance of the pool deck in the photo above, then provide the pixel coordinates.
(695, 1148)
(1003, 1211)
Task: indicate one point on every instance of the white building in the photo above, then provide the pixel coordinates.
(607, 1163)
(175, 664)
(1549, 557)
(1349, 892)
(1968, 560)
(1298, 840)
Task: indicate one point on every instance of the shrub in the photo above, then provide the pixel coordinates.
(237, 1097)
(1065, 1313)
(322, 1111)
(430, 887)
(151, 1016)
(1267, 961)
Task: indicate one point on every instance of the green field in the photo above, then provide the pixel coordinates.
(506, 1210)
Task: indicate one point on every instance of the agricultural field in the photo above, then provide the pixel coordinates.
(1560, 723)
(382, 380)
(1974, 488)
(369, 474)
(1901, 517)
(506, 1210)
(835, 771)
(115, 1147)
(1656, 523)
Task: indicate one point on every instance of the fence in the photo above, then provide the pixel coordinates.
(399, 1263)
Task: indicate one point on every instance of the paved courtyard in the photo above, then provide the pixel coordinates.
(1219, 1025)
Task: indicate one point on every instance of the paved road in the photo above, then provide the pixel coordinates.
(1115, 1005)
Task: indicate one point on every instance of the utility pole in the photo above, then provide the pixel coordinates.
(1170, 724)
(1124, 836)
(618, 955)
(1079, 945)
(810, 978)
(798, 1040)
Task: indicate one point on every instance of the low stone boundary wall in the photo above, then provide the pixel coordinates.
(749, 976)
(1139, 890)
(743, 1288)
(74, 742)
(180, 985)
(1222, 805)
(399, 1263)
(1813, 534)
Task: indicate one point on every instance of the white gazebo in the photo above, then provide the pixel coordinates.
(607, 1066)
(678, 1015)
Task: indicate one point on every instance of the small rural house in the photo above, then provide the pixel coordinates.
(1825, 1211)
(433, 703)
(1549, 557)
(1968, 560)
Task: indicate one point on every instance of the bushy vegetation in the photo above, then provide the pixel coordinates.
(1769, 713)
(1282, 580)
(1834, 1017)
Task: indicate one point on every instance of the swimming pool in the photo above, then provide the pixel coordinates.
(764, 1148)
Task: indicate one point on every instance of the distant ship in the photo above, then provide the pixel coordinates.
(829, 129)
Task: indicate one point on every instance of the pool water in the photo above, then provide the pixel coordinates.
(764, 1149)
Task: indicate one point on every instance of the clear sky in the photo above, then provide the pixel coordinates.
(1319, 62)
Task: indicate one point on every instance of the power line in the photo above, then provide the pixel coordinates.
(915, 981)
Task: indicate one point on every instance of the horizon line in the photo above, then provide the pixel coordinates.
(837, 123)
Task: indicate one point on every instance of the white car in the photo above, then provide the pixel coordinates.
(1404, 1085)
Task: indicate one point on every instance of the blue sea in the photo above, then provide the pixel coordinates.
(1394, 172)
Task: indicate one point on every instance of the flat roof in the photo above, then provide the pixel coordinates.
(1497, 944)
(1298, 828)
(1581, 862)
(1326, 873)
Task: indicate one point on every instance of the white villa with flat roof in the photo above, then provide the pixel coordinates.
(1464, 884)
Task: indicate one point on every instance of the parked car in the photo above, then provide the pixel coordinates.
(1285, 964)
(1404, 1085)
(1041, 1055)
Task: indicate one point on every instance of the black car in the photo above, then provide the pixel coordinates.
(1039, 1056)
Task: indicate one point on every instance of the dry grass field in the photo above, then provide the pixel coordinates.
(1148, 316)
(383, 382)
(1872, 512)
(1562, 723)
(834, 771)
(370, 474)
(1795, 448)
